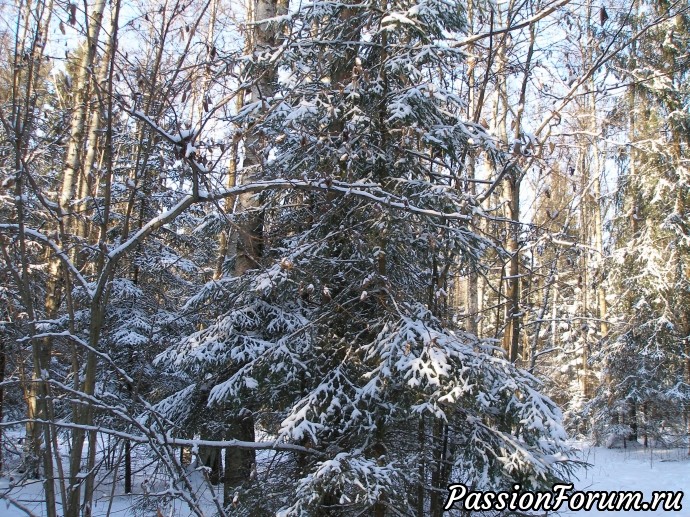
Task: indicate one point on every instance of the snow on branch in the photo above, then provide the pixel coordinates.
(17, 504)
(161, 439)
(529, 21)
(40, 237)
(371, 192)
(358, 190)
(157, 438)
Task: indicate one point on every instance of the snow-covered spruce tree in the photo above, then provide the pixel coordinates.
(339, 339)
(647, 359)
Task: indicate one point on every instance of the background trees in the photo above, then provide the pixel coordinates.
(650, 258)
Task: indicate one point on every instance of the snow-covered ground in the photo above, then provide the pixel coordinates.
(109, 501)
(637, 468)
(30, 496)
(647, 470)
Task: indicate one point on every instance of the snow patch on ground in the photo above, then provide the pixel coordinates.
(635, 468)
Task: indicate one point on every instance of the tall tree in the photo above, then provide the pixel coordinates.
(22, 92)
(339, 335)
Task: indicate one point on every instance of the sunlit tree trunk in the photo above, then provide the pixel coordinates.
(27, 70)
(240, 463)
(69, 224)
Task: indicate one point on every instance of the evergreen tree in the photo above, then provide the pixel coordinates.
(340, 338)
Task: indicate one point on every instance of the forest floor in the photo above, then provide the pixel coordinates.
(633, 468)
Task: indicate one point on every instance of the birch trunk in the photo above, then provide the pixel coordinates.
(83, 89)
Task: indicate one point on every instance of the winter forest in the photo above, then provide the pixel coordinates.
(327, 257)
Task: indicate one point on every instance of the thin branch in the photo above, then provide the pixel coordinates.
(529, 21)
(161, 439)
(40, 237)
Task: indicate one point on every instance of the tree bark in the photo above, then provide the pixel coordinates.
(26, 74)
(239, 464)
(83, 87)
(250, 228)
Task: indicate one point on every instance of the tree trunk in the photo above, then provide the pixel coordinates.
(687, 380)
(583, 279)
(71, 168)
(3, 352)
(239, 463)
(26, 77)
(421, 467)
(128, 467)
(250, 239)
(511, 337)
(439, 474)
(82, 84)
(599, 240)
(26, 68)
(632, 416)
(84, 416)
